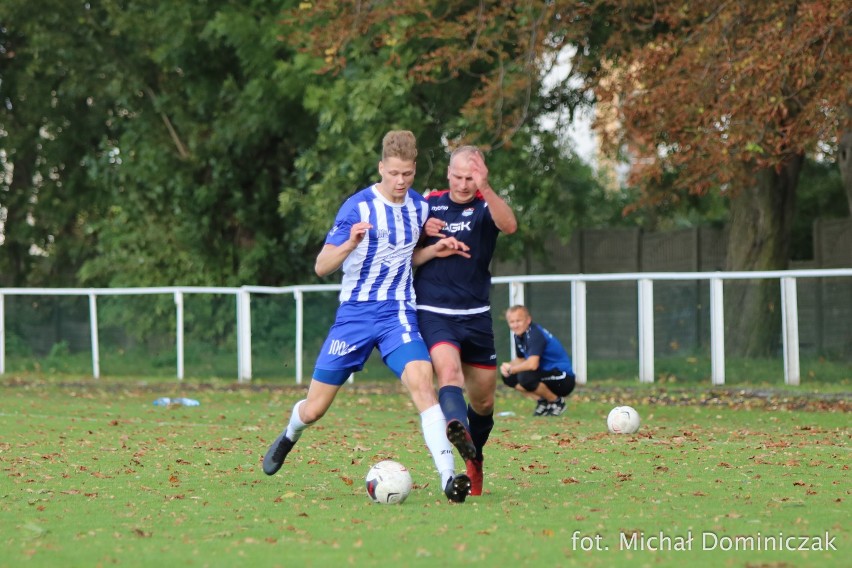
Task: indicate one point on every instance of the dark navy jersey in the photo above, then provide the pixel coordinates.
(455, 284)
(537, 341)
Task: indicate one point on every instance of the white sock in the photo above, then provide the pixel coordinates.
(296, 426)
(435, 433)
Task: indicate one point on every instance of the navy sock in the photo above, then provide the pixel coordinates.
(480, 429)
(453, 405)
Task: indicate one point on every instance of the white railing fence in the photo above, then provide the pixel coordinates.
(516, 285)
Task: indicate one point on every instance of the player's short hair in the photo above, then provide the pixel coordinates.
(518, 308)
(462, 150)
(399, 144)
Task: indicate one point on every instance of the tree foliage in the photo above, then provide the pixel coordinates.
(148, 143)
(720, 91)
(707, 98)
(458, 72)
(727, 97)
(209, 143)
(722, 99)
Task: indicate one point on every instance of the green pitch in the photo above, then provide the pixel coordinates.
(93, 474)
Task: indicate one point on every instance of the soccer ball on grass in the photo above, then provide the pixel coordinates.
(388, 482)
(623, 420)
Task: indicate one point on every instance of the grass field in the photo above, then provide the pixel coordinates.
(93, 474)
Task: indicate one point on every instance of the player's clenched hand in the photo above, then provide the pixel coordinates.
(358, 232)
(434, 226)
(450, 246)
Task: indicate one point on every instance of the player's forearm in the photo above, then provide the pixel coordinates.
(502, 214)
(520, 365)
(331, 258)
(422, 255)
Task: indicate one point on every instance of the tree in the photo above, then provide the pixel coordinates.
(729, 97)
(720, 98)
(48, 121)
(147, 143)
(454, 72)
(844, 154)
(207, 124)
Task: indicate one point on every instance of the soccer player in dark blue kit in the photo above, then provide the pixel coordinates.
(542, 369)
(453, 302)
(372, 239)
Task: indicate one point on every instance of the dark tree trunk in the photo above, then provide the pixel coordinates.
(761, 221)
(15, 259)
(844, 162)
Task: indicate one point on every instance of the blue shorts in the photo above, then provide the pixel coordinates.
(472, 335)
(361, 326)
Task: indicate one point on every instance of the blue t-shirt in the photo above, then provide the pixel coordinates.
(539, 342)
(454, 284)
(380, 267)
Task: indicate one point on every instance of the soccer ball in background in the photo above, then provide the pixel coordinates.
(623, 420)
(388, 482)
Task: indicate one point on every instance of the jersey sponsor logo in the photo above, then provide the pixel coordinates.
(440, 207)
(393, 255)
(458, 227)
(467, 212)
(382, 234)
(340, 348)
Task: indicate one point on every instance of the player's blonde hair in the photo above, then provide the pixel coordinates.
(399, 144)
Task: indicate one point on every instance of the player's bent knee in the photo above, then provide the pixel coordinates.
(418, 373)
(310, 414)
(511, 381)
(528, 382)
(483, 408)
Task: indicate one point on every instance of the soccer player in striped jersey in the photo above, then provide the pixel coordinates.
(372, 239)
(453, 302)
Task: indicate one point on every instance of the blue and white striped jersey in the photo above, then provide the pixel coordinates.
(380, 267)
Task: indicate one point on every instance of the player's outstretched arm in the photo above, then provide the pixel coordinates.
(331, 257)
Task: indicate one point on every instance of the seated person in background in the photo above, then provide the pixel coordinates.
(542, 368)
